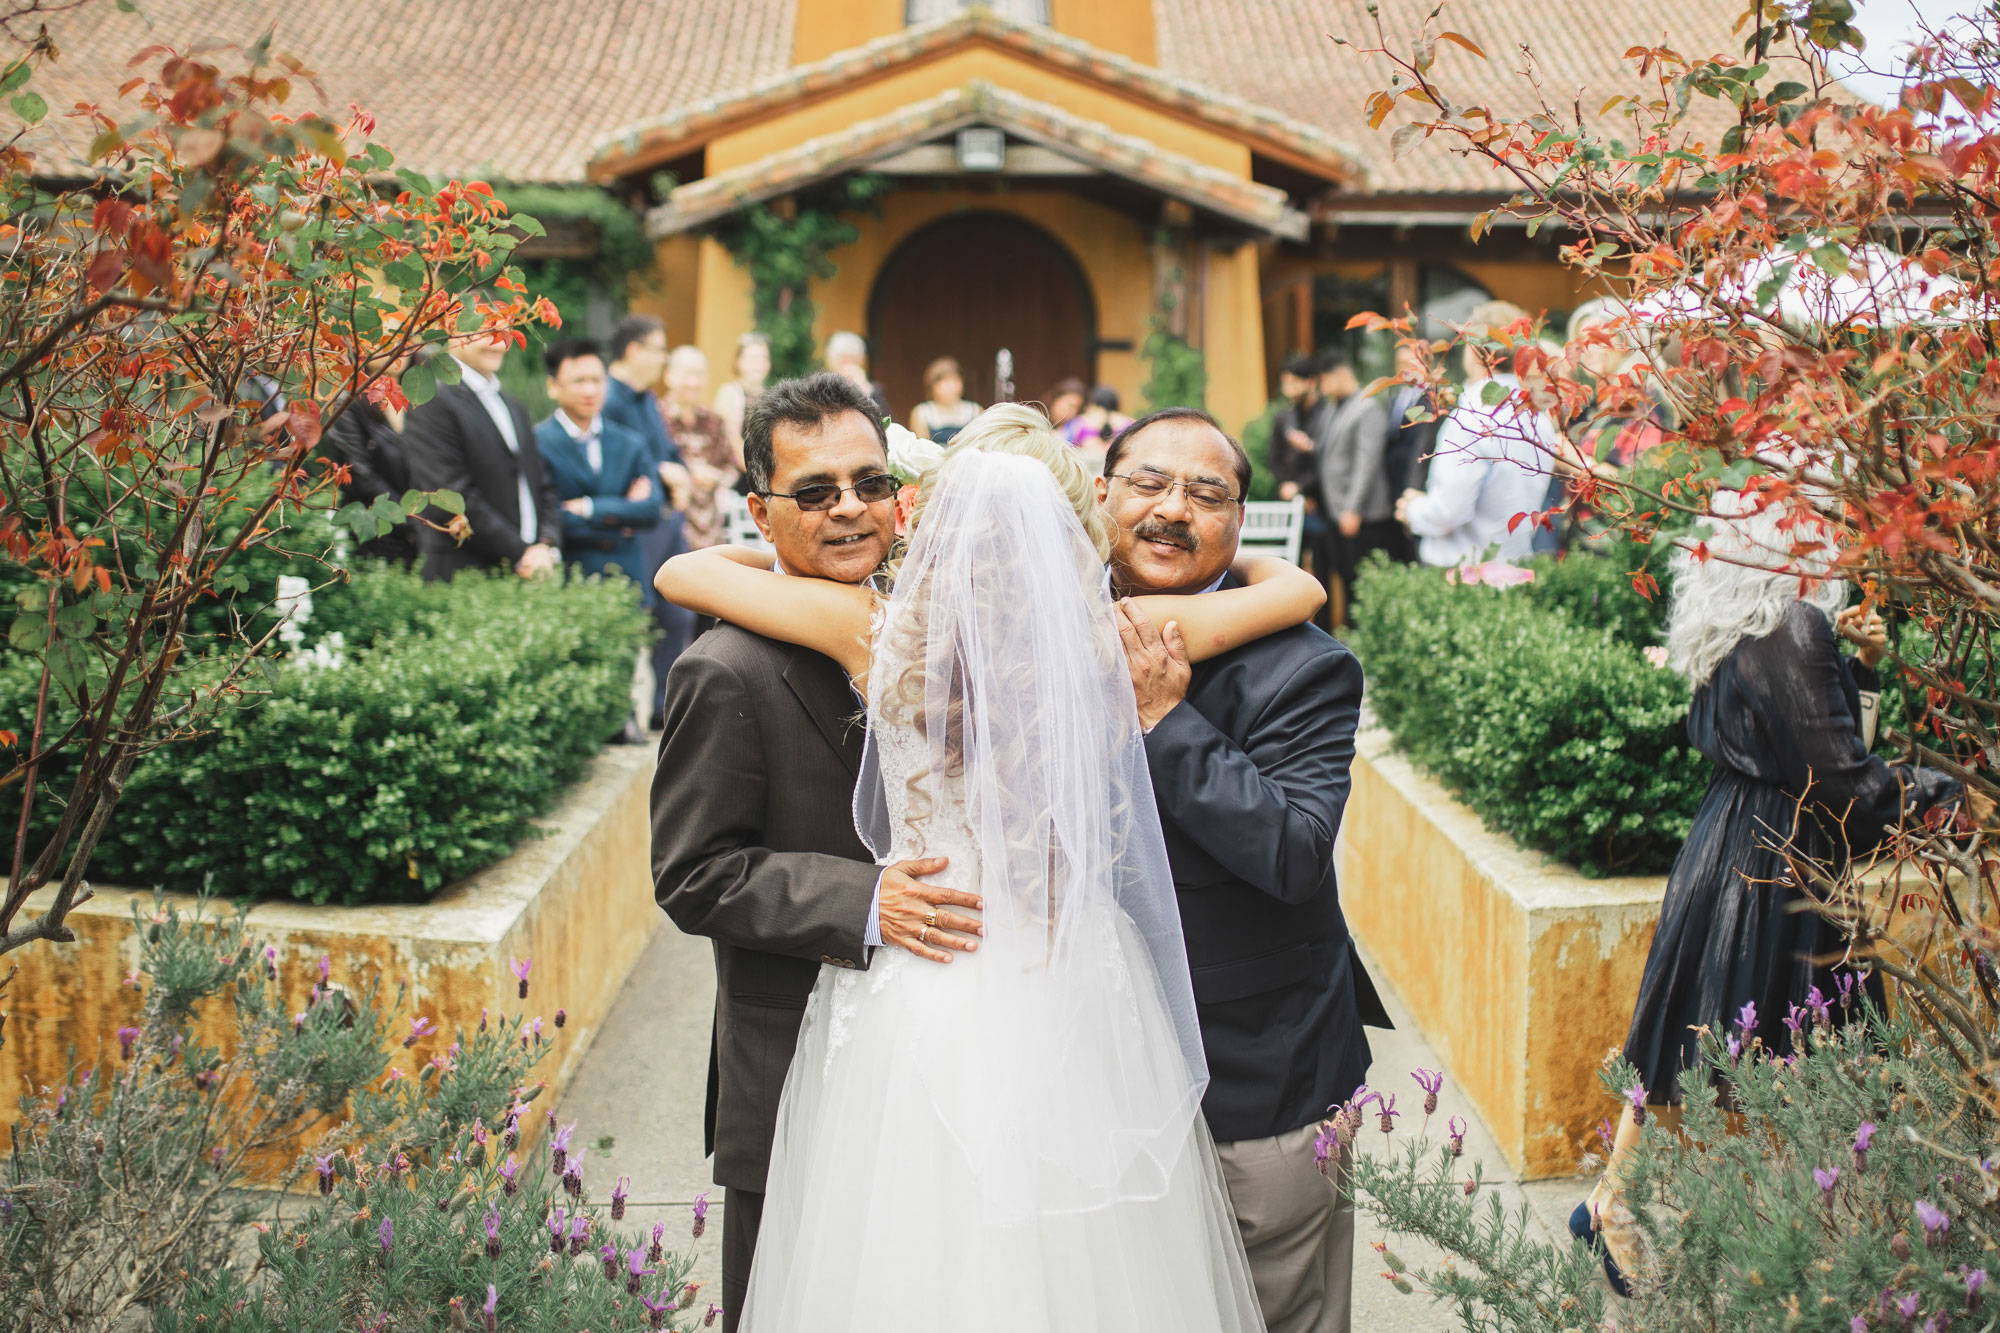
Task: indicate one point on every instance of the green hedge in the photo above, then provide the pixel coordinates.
(1555, 730)
(460, 712)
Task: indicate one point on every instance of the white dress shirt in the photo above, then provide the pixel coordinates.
(1490, 464)
(487, 391)
(592, 439)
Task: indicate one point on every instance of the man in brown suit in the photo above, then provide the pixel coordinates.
(753, 831)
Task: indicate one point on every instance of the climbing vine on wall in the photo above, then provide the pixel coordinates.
(1177, 373)
(786, 248)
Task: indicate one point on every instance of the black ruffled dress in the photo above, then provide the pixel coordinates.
(1780, 719)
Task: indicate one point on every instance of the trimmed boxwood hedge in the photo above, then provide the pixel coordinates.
(459, 712)
(1538, 707)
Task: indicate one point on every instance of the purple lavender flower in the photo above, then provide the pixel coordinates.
(1471, 1187)
(387, 1235)
(126, 1036)
(572, 1181)
(1430, 1081)
(1385, 1107)
(556, 1231)
(1975, 1282)
(488, 1311)
(1826, 1178)
(419, 1029)
(1848, 983)
(700, 1214)
(559, 1146)
(511, 1134)
(657, 1310)
(508, 1171)
(579, 1234)
(1859, 1324)
(493, 1232)
(325, 968)
(324, 1165)
(520, 967)
(1746, 1018)
(1862, 1137)
(536, 1028)
(1326, 1146)
(270, 962)
(608, 1255)
(1907, 1307)
(1735, 1048)
(1795, 1021)
(708, 1320)
(1822, 1009)
(1455, 1131)
(634, 1270)
(561, 1017)
(1636, 1094)
(1934, 1220)
(657, 1249)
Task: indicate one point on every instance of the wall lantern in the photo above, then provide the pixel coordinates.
(981, 150)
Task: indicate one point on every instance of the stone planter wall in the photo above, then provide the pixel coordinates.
(1520, 971)
(578, 900)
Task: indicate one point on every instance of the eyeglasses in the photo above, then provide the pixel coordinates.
(824, 495)
(1205, 496)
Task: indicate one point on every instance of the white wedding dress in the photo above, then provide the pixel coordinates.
(1011, 1142)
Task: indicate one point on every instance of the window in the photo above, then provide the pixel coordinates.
(1019, 11)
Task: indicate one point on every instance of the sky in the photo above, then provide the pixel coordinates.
(1890, 26)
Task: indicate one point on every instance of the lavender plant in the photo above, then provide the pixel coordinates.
(122, 1183)
(1848, 1186)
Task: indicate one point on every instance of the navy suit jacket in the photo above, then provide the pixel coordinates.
(1250, 773)
(640, 413)
(610, 535)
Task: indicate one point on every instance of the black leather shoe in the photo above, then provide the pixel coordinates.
(1585, 1233)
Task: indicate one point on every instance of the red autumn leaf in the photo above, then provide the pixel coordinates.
(105, 270)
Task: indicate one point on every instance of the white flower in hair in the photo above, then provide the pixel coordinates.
(910, 457)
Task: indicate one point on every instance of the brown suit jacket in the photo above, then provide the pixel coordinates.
(754, 847)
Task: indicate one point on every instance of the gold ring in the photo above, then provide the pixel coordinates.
(923, 935)
(931, 920)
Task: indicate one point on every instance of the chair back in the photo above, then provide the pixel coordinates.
(1274, 527)
(738, 528)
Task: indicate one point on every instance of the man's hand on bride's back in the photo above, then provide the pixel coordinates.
(918, 916)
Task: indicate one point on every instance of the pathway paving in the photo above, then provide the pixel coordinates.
(639, 1096)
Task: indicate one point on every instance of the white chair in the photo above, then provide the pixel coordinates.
(738, 528)
(1274, 527)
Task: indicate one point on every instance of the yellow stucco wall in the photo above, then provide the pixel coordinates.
(1004, 68)
(1124, 26)
(821, 28)
(722, 307)
(1233, 338)
(675, 286)
(1534, 284)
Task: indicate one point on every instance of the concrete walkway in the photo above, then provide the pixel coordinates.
(638, 1101)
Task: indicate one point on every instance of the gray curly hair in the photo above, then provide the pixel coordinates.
(1743, 589)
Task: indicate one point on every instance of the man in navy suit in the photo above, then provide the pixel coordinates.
(1249, 754)
(476, 440)
(603, 473)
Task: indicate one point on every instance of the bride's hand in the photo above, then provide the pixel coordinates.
(913, 914)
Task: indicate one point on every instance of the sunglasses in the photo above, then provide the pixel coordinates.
(824, 495)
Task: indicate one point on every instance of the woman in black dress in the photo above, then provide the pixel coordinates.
(1777, 708)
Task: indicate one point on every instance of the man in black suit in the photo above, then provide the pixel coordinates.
(1249, 755)
(753, 825)
(1406, 457)
(476, 440)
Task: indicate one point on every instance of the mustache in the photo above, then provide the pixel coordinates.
(1180, 534)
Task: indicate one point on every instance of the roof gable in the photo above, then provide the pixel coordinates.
(648, 143)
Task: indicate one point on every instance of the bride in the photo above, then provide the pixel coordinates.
(1013, 1142)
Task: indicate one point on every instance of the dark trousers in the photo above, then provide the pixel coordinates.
(742, 1214)
(1382, 534)
(675, 623)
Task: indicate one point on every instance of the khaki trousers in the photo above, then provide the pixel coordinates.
(1298, 1228)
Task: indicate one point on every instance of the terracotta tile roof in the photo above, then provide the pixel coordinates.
(1281, 53)
(982, 103)
(691, 123)
(519, 89)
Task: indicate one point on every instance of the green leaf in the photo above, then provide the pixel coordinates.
(29, 632)
(449, 501)
(415, 183)
(528, 225)
(1493, 393)
(66, 664)
(447, 369)
(412, 501)
(406, 273)
(420, 382)
(1767, 290)
(30, 107)
(1832, 259)
(16, 75)
(76, 621)
(1785, 92)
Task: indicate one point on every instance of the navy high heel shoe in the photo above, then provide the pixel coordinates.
(1580, 1228)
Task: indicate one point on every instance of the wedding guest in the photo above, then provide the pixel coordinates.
(1777, 709)
(1353, 484)
(639, 356)
(847, 357)
(603, 473)
(945, 411)
(1621, 425)
(1490, 464)
(1249, 753)
(1293, 446)
(368, 441)
(1065, 400)
(1098, 424)
(704, 445)
(1407, 455)
(747, 373)
(475, 439)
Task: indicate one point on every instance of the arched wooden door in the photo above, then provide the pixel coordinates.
(969, 285)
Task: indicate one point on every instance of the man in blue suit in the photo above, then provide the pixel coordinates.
(638, 358)
(602, 472)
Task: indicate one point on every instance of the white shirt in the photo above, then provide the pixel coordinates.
(487, 391)
(592, 438)
(1490, 464)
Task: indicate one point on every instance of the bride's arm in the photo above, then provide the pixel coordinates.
(1278, 596)
(736, 584)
